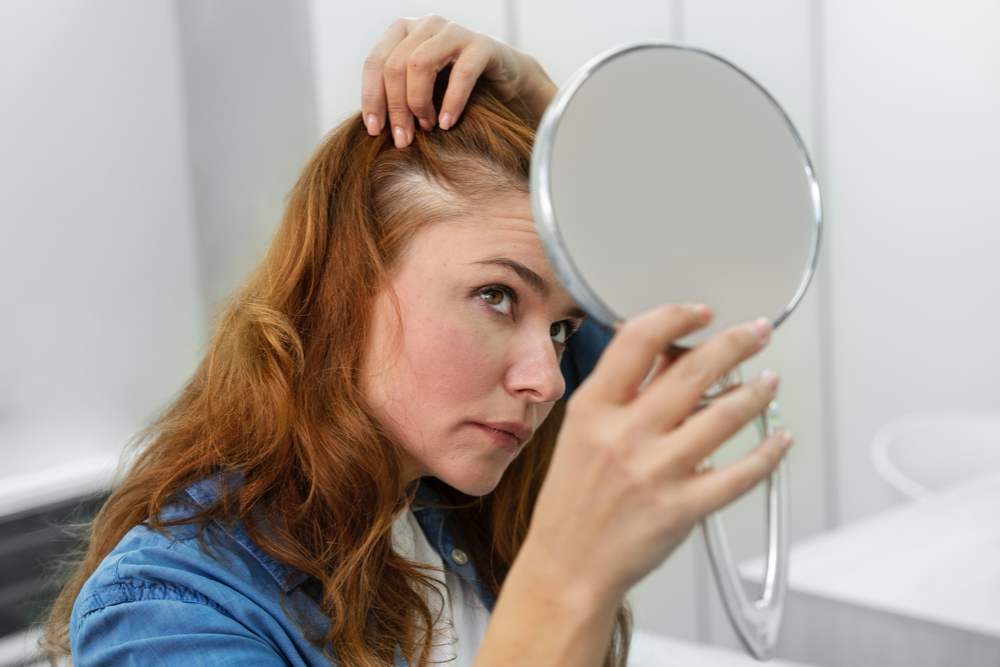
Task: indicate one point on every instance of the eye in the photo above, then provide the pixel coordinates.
(503, 299)
(562, 330)
(499, 297)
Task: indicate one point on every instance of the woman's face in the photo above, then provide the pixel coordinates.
(471, 367)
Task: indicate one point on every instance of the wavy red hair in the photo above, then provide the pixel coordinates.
(277, 399)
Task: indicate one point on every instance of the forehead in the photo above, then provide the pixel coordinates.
(505, 228)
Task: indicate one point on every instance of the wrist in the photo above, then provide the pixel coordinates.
(574, 585)
(543, 618)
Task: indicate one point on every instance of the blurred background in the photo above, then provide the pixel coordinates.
(146, 148)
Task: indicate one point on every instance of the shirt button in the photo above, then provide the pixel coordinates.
(459, 557)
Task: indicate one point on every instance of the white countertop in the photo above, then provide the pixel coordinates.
(654, 650)
(935, 560)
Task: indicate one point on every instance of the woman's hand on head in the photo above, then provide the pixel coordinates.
(400, 72)
(624, 489)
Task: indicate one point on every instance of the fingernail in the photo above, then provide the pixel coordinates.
(769, 379)
(784, 439)
(372, 124)
(445, 121)
(701, 310)
(425, 124)
(399, 134)
(761, 328)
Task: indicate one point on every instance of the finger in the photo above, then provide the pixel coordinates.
(627, 359)
(426, 61)
(663, 361)
(671, 398)
(712, 490)
(471, 64)
(395, 76)
(373, 101)
(702, 433)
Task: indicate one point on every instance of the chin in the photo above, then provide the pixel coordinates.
(472, 484)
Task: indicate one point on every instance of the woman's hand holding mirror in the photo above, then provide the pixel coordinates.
(624, 489)
(400, 72)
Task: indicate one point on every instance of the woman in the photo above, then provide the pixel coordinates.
(355, 471)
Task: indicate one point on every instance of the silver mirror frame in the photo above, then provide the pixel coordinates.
(543, 209)
(757, 623)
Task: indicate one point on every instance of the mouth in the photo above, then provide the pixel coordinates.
(509, 435)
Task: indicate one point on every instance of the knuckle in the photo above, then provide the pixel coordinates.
(396, 105)
(577, 403)
(640, 333)
(370, 98)
(693, 373)
(729, 416)
(419, 62)
(601, 434)
(463, 72)
(672, 511)
(419, 108)
(374, 62)
(453, 29)
(745, 479)
(395, 65)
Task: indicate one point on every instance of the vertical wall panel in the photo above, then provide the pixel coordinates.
(251, 121)
(564, 35)
(102, 316)
(914, 98)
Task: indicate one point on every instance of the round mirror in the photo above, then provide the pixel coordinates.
(664, 174)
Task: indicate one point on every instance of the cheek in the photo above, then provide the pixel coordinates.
(452, 357)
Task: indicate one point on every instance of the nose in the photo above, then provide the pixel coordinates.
(534, 374)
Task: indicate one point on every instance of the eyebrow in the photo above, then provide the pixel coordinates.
(532, 279)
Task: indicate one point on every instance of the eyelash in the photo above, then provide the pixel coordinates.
(571, 327)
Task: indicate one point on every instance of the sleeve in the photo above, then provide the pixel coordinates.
(156, 632)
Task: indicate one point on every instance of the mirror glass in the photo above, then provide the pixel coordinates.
(664, 174)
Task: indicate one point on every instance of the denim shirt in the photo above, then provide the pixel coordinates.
(170, 599)
(214, 597)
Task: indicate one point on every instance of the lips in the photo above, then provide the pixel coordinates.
(516, 429)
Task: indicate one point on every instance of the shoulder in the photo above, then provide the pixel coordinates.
(182, 591)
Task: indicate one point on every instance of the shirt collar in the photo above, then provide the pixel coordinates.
(207, 491)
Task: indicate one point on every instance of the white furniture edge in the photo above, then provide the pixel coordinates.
(49, 486)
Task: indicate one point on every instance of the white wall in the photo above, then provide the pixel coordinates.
(101, 311)
(913, 98)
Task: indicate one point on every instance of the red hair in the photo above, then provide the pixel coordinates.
(277, 398)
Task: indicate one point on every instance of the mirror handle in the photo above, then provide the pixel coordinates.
(756, 623)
